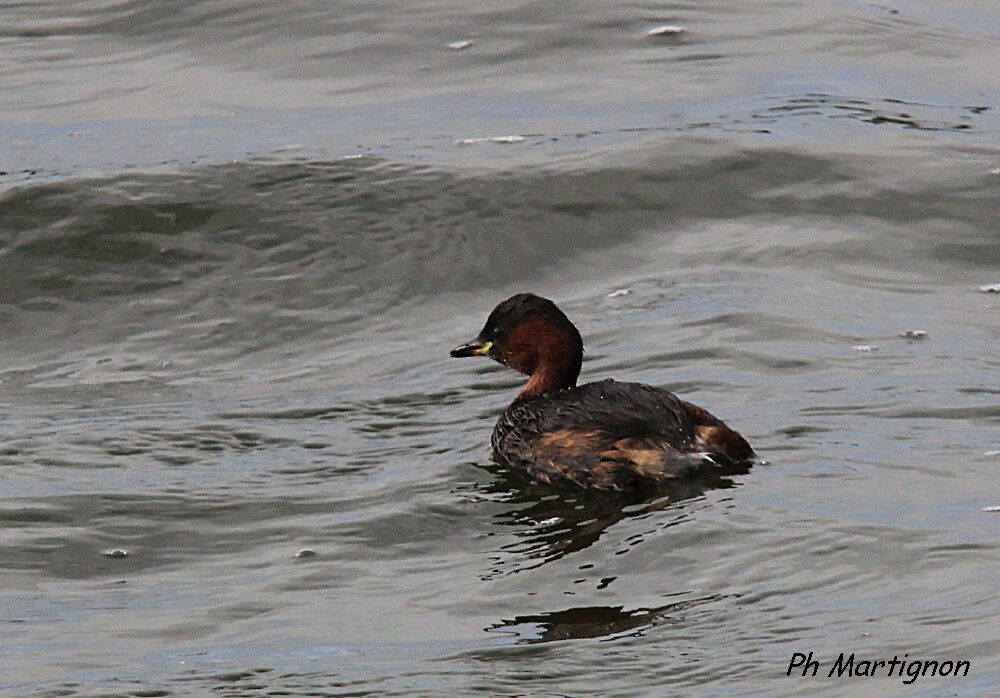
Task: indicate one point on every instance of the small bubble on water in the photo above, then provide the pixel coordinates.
(619, 292)
(990, 288)
(914, 334)
(665, 30)
(117, 552)
(459, 45)
(865, 347)
(306, 552)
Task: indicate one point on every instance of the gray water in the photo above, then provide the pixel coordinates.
(237, 240)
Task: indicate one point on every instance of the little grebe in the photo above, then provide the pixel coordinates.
(604, 435)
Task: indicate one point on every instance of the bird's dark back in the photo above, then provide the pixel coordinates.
(620, 409)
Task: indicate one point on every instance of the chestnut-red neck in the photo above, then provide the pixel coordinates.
(546, 378)
(548, 352)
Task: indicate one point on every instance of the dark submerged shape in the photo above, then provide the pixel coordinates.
(604, 435)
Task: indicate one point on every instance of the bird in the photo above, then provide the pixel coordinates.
(605, 435)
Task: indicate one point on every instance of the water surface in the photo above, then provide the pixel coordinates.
(238, 239)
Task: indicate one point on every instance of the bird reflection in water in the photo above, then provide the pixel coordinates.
(554, 522)
(590, 621)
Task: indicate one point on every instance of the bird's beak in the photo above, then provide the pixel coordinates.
(471, 349)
